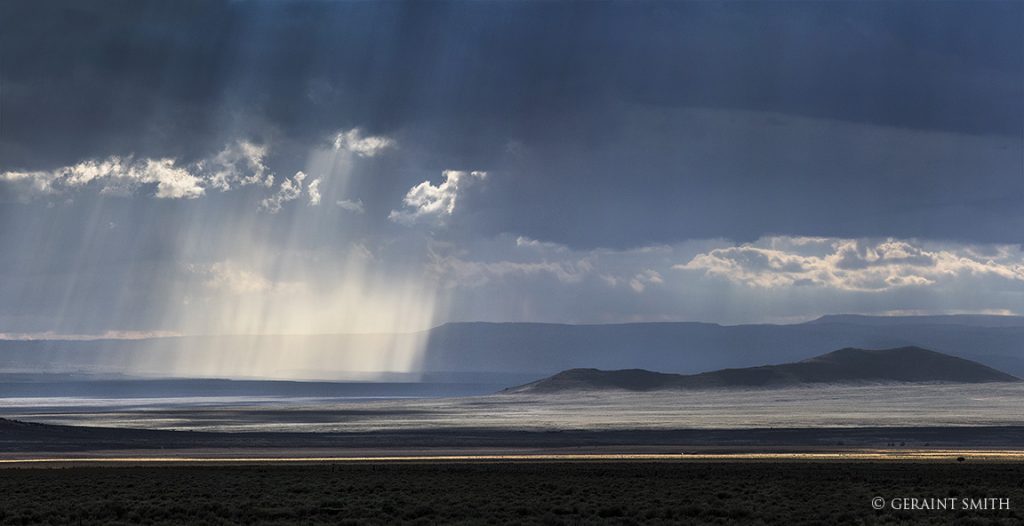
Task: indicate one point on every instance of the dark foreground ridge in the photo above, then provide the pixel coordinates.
(904, 364)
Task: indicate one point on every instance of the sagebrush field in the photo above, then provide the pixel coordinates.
(505, 493)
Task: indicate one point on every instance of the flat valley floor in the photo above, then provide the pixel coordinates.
(513, 492)
(786, 456)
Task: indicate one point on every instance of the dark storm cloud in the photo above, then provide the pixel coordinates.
(580, 111)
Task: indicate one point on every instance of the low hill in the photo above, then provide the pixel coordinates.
(850, 365)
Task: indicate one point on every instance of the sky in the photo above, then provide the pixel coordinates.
(323, 167)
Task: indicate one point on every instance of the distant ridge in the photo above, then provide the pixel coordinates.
(845, 366)
(514, 352)
(970, 320)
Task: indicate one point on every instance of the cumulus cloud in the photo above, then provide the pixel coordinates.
(314, 192)
(361, 145)
(35, 182)
(777, 280)
(232, 278)
(523, 241)
(355, 207)
(114, 176)
(426, 201)
(229, 277)
(455, 271)
(289, 190)
(644, 279)
(238, 164)
(850, 265)
(171, 182)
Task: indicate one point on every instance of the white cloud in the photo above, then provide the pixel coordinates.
(34, 182)
(229, 277)
(426, 201)
(355, 207)
(238, 164)
(314, 192)
(171, 182)
(849, 265)
(536, 244)
(778, 279)
(114, 176)
(289, 190)
(462, 273)
(364, 146)
(644, 279)
(106, 335)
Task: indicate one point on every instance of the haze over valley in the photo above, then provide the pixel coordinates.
(496, 353)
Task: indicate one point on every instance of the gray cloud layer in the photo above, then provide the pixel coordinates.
(176, 162)
(844, 119)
